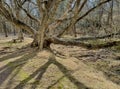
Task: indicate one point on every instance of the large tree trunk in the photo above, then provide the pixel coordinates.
(56, 40)
(45, 43)
(41, 39)
(20, 36)
(14, 32)
(5, 29)
(6, 33)
(74, 31)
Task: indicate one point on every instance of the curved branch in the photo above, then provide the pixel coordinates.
(81, 17)
(10, 17)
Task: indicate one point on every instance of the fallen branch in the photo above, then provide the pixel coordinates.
(66, 42)
(98, 37)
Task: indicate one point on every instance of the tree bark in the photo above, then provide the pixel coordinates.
(5, 30)
(82, 44)
(20, 36)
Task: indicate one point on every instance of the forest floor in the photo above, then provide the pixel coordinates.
(22, 67)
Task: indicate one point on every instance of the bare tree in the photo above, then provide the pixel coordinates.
(46, 15)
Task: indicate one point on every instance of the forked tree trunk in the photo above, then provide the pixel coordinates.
(41, 42)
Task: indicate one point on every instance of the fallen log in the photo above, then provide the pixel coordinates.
(97, 37)
(72, 42)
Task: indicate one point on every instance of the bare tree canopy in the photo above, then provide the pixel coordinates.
(48, 16)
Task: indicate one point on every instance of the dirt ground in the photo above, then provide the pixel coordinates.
(22, 67)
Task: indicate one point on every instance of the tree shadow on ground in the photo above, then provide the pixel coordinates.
(17, 64)
(40, 72)
(14, 54)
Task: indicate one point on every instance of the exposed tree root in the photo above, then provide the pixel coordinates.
(57, 53)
